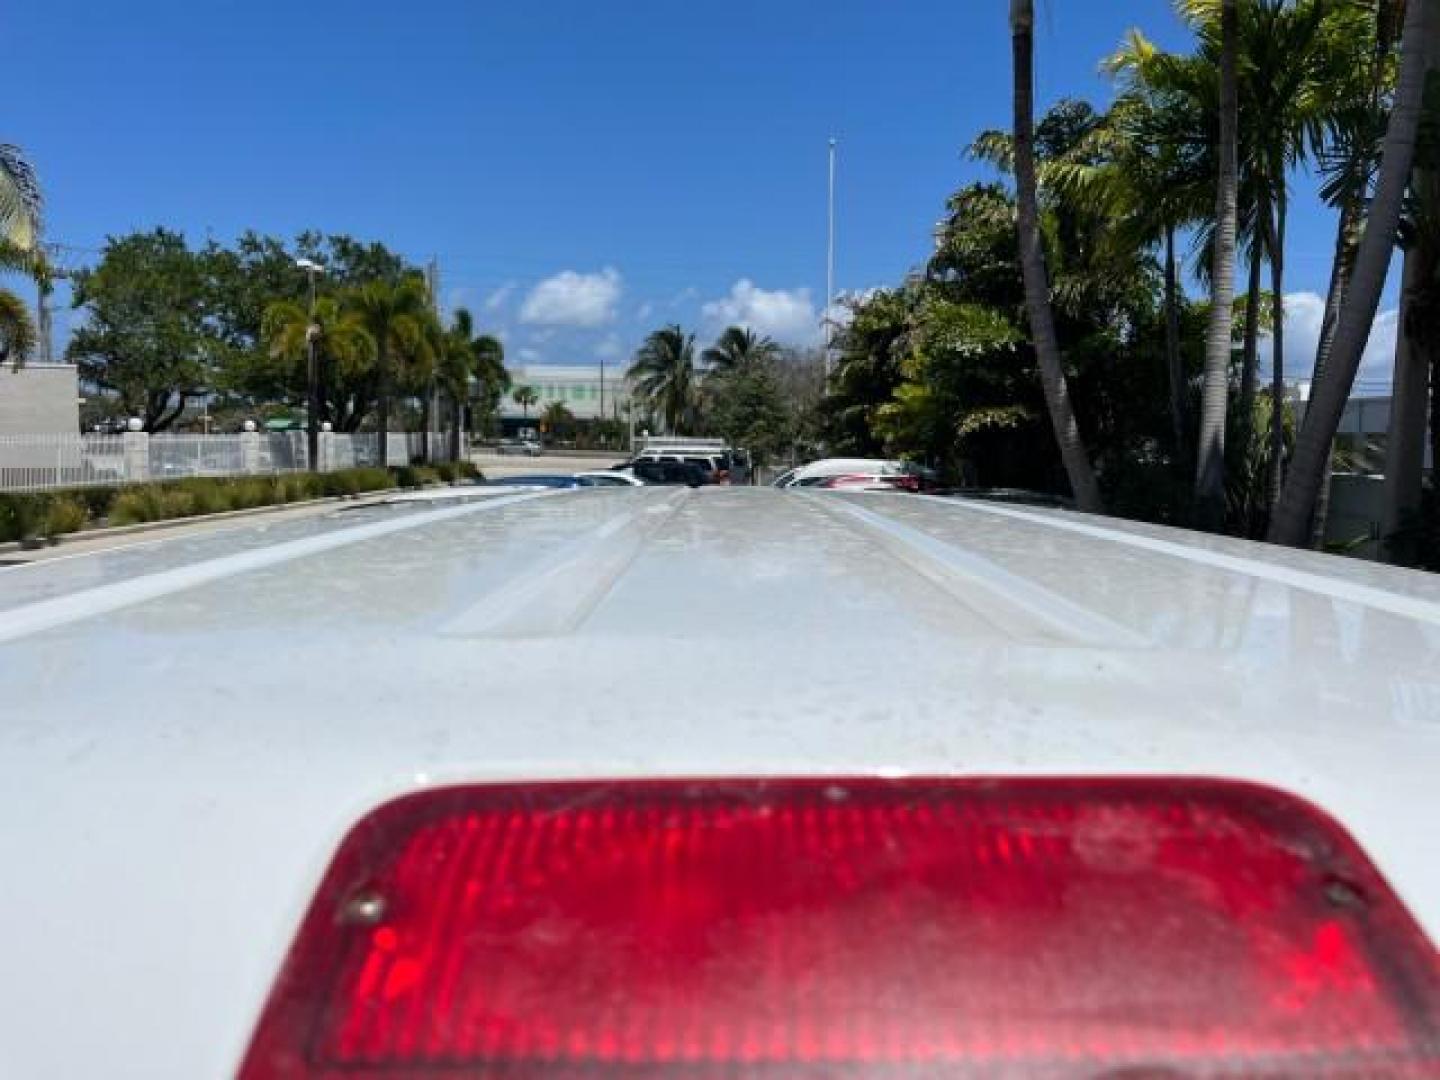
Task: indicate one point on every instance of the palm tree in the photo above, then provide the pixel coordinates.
(17, 330)
(1032, 265)
(558, 418)
(525, 396)
(1210, 448)
(20, 207)
(1291, 523)
(664, 375)
(20, 200)
(400, 320)
(738, 348)
(466, 356)
(345, 353)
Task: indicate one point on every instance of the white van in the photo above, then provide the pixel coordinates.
(817, 472)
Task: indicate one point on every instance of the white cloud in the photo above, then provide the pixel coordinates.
(529, 355)
(787, 315)
(684, 296)
(574, 299)
(610, 348)
(500, 297)
(1304, 313)
(644, 311)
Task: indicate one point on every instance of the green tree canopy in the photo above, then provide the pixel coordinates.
(664, 377)
(149, 335)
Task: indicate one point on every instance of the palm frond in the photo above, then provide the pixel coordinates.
(18, 336)
(21, 202)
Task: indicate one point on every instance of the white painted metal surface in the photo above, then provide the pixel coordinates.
(839, 467)
(189, 730)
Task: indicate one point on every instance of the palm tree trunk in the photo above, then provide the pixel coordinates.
(1277, 359)
(1210, 459)
(1414, 364)
(1032, 265)
(1250, 361)
(1339, 279)
(1345, 243)
(1291, 521)
(1174, 370)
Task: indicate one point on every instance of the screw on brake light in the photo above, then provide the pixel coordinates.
(853, 928)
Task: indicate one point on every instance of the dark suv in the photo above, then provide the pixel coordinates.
(670, 472)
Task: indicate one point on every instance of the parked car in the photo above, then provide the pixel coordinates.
(870, 482)
(608, 478)
(661, 471)
(540, 481)
(817, 472)
(716, 464)
(524, 447)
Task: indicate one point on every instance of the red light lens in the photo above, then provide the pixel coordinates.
(853, 928)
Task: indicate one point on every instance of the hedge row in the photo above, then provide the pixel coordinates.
(46, 515)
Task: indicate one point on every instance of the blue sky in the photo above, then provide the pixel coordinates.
(583, 171)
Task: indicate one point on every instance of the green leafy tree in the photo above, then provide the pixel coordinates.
(738, 347)
(246, 278)
(344, 355)
(664, 377)
(147, 336)
(399, 318)
(558, 420)
(746, 407)
(526, 397)
(470, 369)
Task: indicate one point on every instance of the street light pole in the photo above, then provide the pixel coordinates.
(312, 332)
(830, 263)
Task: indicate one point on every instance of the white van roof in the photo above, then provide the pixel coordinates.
(192, 724)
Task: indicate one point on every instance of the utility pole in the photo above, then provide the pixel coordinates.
(432, 281)
(312, 370)
(830, 265)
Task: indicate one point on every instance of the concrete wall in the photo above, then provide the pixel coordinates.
(39, 399)
(1355, 510)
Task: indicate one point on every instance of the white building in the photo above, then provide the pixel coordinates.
(588, 391)
(39, 399)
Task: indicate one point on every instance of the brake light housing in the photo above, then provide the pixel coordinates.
(749, 928)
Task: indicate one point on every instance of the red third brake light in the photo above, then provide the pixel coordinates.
(853, 928)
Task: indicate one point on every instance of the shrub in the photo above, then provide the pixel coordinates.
(413, 476)
(371, 479)
(96, 500)
(339, 483)
(468, 470)
(151, 502)
(25, 515)
(208, 496)
(248, 492)
(446, 471)
(21, 515)
(64, 515)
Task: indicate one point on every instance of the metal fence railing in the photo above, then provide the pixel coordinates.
(45, 462)
(196, 455)
(38, 462)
